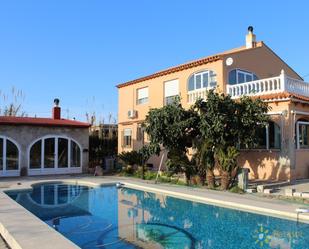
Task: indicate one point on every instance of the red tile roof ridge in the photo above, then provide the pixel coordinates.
(38, 121)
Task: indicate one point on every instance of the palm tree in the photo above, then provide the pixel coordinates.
(205, 158)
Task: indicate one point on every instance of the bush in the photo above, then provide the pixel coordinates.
(150, 175)
(128, 170)
(237, 190)
(130, 157)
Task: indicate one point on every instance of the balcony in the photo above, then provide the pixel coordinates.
(281, 83)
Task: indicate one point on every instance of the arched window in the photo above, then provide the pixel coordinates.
(206, 79)
(269, 137)
(238, 76)
(54, 152)
(9, 155)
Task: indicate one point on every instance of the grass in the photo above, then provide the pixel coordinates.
(165, 178)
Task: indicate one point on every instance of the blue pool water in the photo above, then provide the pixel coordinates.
(111, 218)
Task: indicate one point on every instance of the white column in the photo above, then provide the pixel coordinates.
(69, 153)
(4, 156)
(267, 137)
(42, 153)
(283, 80)
(297, 135)
(56, 153)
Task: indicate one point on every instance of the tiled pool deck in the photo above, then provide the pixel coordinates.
(21, 229)
(3, 244)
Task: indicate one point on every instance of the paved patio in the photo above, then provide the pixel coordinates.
(3, 245)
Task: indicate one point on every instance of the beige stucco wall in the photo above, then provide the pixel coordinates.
(264, 164)
(261, 60)
(25, 135)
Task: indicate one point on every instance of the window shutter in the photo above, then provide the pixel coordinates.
(171, 88)
(142, 93)
(122, 138)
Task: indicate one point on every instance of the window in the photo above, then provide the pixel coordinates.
(274, 135)
(140, 134)
(142, 95)
(9, 155)
(49, 153)
(35, 155)
(302, 134)
(75, 155)
(54, 152)
(205, 79)
(269, 137)
(171, 90)
(127, 137)
(63, 153)
(238, 76)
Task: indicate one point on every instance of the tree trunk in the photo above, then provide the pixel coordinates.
(202, 176)
(225, 180)
(143, 172)
(210, 179)
(188, 178)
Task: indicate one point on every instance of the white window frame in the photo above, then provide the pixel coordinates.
(267, 145)
(124, 135)
(202, 73)
(170, 96)
(244, 72)
(5, 171)
(298, 123)
(55, 169)
(143, 100)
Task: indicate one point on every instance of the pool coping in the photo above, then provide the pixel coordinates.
(18, 225)
(23, 230)
(226, 204)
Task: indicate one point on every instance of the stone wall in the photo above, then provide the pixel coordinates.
(25, 135)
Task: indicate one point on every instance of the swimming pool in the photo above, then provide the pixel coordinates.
(111, 218)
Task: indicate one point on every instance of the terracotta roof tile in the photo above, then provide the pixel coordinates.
(188, 65)
(172, 70)
(7, 120)
(282, 95)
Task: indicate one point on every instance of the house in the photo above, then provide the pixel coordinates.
(42, 146)
(104, 131)
(254, 70)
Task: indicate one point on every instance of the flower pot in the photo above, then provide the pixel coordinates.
(225, 180)
(210, 179)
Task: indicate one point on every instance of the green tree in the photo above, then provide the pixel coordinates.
(228, 125)
(174, 128)
(205, 161)
(138, 157)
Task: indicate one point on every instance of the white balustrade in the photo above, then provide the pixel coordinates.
(297, 86)
(196, 94)
(281, 83)
(257, 87)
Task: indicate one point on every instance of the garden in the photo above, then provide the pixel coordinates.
(201, 143)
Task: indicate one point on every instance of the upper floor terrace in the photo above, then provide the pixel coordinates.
(258, 87)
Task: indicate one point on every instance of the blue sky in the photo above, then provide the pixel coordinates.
(79, 50)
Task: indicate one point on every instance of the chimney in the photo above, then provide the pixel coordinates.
(56, 110)
(250, 38)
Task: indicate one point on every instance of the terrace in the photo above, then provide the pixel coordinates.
(267, 86)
